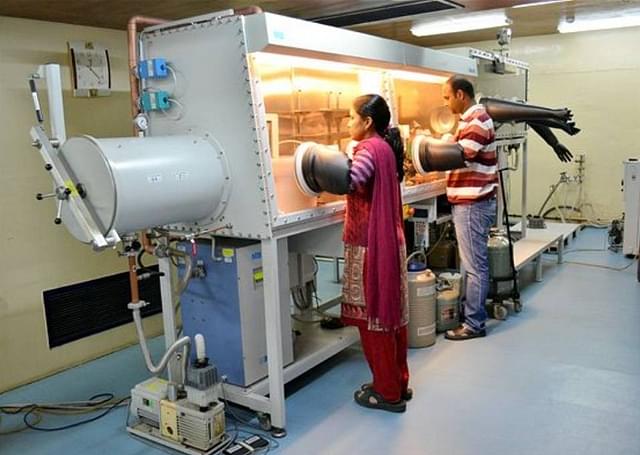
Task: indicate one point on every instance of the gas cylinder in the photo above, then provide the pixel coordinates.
(422, 302)
(500, 270)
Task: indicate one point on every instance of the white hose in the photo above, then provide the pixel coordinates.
(188, 269)
(153, 369)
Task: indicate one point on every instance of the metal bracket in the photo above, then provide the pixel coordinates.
(62, 178)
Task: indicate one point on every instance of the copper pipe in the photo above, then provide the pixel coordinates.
(133, 280)
(132, 30)
(146, 244)
(247, 10)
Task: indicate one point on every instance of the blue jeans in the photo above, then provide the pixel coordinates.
(472, 222)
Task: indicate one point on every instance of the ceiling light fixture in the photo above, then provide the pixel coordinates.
(619, 19)
(545, 2)
(444, 24)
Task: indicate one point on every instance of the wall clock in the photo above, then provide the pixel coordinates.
(90, 69)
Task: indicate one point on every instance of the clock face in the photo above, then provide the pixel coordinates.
(90, 69)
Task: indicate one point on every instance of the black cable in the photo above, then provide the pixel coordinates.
(73, 406)
(262, 433)
(25, 419)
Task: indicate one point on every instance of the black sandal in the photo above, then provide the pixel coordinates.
(369, 398)
(407, 395)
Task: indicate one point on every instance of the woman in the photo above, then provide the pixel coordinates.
(375, 280)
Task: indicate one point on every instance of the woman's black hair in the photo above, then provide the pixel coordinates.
(376, 107)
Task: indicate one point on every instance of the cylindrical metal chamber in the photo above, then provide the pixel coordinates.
(136, 183)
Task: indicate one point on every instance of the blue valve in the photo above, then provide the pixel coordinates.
(155, 68)
(153, 101)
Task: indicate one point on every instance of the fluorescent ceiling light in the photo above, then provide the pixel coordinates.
(620, 19)
(545, 2)
(460, 23)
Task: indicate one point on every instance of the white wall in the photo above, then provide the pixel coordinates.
(597, 75)
(36, 254)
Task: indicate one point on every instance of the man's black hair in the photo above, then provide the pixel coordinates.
(460, 83)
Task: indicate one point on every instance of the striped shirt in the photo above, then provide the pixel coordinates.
(479, 179)
(362, 169)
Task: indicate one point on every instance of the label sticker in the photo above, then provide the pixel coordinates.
(227, 252)
(182, 175)
(258, 276)
(427, 330)
(425, 291)
(74, 191)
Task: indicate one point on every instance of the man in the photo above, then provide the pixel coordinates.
(471, 191)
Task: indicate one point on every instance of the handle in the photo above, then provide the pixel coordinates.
(36, 100)
(417, 253)
(58, 218)
(41, 196)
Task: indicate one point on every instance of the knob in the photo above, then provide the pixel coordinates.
(48, 167)
(41, 196)
(82, 191)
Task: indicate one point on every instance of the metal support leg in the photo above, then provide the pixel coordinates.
(51, 72)
(539, 268)
(337, 264)
(560, 249)
(274, 330)
(523, 218)
(168, 316)
(503, 167)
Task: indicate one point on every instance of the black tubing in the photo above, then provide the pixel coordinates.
(440, 156)
(327, 170)
(547, 135)
(505, 210)
(509, 111)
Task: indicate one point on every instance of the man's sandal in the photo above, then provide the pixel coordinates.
(371, 399)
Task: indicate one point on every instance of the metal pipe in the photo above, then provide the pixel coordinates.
(523, 216)
(132, 29)
(186, 354)
(51, 73)
(247, 10)
(133, 280)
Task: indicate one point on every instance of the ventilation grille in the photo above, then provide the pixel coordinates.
(195, 430)
(384, 13)
(83, 309)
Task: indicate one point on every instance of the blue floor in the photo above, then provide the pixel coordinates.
(562, 377)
